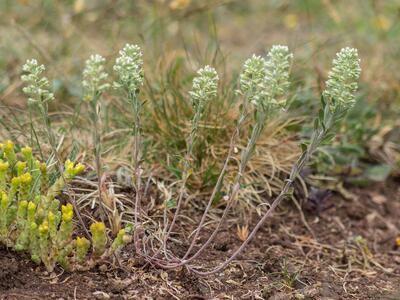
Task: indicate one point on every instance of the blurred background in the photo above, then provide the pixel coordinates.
(64, 33)
(178, 37)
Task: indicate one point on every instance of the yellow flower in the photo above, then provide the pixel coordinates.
(23, 204)
(79, 168)
(26, 151)
(382, 22)
(51, 217)
(71, 170)
(26, 178)
(81, 241)
(20, 165)
(3, 166)
(8, 146)
(398, 242)
(69, 166)
(79, 6)
(44, 228)
(15, 181)
(291, 21)
(98, 227)
(4, 200)
(82, 247)
(179, 4)
(31, 206)
(67, 212)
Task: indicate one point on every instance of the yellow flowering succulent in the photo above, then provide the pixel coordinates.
(9, 153)
(82, 247)
(98, 231)
(32, 219)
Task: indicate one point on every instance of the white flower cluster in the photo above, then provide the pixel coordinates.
(94, 77)
(205, 86)
(276, 81)
(265, 81)
(129, 68)
(342, 79)
(37, 87)
(252, 77)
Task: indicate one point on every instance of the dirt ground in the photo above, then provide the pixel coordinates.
(348, 251)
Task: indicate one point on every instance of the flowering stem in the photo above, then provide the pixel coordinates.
(317, 137)
(185, 175)
(246, 155)
(94, 116)
(203, 90)
(129, 68)
(216, 189)
(136, 107)
(39, 96)
(218, 184)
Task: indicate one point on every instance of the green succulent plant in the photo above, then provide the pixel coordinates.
(32, 219)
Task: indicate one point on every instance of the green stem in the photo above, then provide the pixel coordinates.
(94, 116)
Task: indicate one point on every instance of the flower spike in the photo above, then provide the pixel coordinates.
(342, 79)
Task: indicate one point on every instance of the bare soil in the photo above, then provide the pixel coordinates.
(348, 251)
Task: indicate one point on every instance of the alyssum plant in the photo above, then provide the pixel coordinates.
(263, 85)
(129, 69)
(94, 86)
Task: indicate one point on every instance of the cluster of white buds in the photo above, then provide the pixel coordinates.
(265, 81)
(94, 77)
(252, 77)
(276, 82)
(342, 79)
(129, 68)
(37, 87)
(205, 86)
